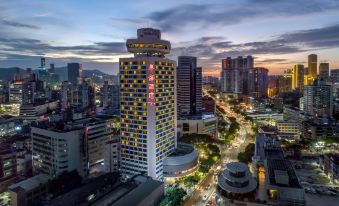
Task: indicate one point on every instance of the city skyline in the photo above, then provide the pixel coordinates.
(278, 34)
(159, 133)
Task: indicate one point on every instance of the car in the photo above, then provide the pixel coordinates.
(327, 192)
(333, 190)
(319, 191)
(204, 198)
(312, 190)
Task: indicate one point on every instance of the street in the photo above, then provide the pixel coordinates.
(229, 153)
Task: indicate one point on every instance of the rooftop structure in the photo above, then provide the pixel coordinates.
(148, 43)
(31, 183)
(204, 123)
(149, 192)
(182, 161)
(281, 173)
(236, 182)
(30, 191)
(108, 190)
(281, 181)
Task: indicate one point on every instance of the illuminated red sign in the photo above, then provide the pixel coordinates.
(151, 86)
(151, 67)
(151, 95)
(151, 78)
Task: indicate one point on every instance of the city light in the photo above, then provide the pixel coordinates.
(174, 103)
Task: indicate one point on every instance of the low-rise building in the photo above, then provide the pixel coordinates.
(267, 118)
(30, 191)
(236, 182)
(291, 113)
(8, 166)
(282, 182)
(108, 190)
(319, 128)
(276, 172)
(32, 112)
(289, 129)
(206, 123)
(183, 161)
(330, 164)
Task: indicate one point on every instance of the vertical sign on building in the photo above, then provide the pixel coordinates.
(151, 86)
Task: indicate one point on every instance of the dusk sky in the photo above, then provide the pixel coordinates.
(278, 33)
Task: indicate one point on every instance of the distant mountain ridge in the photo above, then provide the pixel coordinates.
(91, 72)
(7, 74)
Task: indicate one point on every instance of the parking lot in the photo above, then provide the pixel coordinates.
(316, 200)
(319, 189)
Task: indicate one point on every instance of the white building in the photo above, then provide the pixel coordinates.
(112, 156)
(97, 132)
(148, 105)
(58, 150)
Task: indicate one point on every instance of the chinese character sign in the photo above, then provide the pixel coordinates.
(151, 86)
(151, 78)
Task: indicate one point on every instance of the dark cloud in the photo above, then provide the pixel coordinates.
(272, 61)
(210, 50)
(204, 15)
(318, 38)
(129, 21)
(26, 53)
(38, 47)
(288, 43)
(18, 24)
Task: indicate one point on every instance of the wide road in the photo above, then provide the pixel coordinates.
(205, 190)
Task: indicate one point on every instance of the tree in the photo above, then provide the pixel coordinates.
(246, 156)
(205, 165)
(248, 118)
(175, 196)
(190, 181)
(213, 148)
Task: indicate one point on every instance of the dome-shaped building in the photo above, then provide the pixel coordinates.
(236, 182)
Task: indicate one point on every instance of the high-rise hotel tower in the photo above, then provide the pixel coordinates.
(147, 105)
